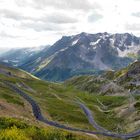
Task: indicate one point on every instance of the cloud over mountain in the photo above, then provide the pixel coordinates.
(40, 22)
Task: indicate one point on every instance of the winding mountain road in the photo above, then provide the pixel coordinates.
(90, 118)
(38, 115)
(101, 129)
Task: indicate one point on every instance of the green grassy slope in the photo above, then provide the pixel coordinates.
(57, 102)
(118, 84)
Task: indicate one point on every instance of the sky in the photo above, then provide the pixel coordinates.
(29, 23)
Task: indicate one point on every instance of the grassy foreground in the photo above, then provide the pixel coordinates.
(13, 129)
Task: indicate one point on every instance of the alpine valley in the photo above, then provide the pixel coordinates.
(83, 87)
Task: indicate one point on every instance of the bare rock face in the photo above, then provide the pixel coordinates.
(112, 88)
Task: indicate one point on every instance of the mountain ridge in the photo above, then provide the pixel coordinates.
(87, 53)
(84, 54)
(17, 57)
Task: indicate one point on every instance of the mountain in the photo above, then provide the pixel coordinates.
(59, 103)
(77, 55)
(16, 57)
(119, 82)
(85, 54)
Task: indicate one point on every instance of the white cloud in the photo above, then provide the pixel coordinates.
(133, 27)
(25, 23)
(60, 4)
(93, 17)
(137, 14)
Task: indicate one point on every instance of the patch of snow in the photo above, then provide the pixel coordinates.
(121, 53)
(104, 36)
(112, 42)
(133, 49)
(6, 61)
(94, 43)
(72, 37)
(62, 50)
(15, 61)
(74, 42)
(107, 35)
(31, 54)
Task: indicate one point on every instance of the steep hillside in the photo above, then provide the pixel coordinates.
(12, 104)
(57, 103)
(51, 98)
(96, 85)
(110, 82)
(85, 54)
(129, 77)
(124, 82)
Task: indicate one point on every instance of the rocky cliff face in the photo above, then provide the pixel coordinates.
(88, 53)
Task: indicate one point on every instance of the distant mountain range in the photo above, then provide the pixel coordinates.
(17, 57)
(79, 54)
